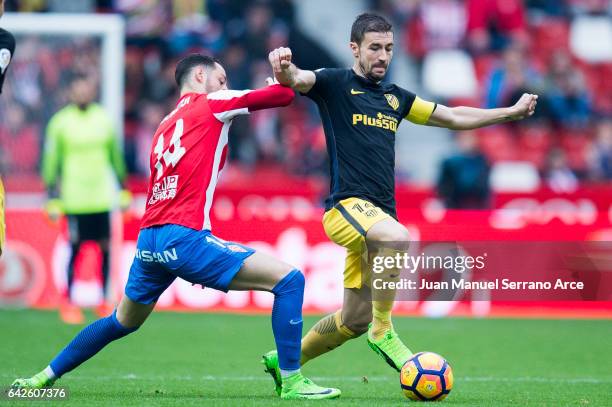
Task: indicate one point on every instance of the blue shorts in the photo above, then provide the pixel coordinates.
(166, 252)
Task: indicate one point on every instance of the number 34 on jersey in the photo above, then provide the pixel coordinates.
(166, 188)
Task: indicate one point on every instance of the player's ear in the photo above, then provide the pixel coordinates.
(355, 48)
(200, 74)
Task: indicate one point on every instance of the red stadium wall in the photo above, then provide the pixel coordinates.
(288, 226)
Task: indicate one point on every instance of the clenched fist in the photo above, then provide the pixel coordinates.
(525, 107)
(280, 59)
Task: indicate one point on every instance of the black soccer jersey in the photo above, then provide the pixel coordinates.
(7, 49)
(360, 118)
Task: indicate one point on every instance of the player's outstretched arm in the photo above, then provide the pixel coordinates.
(227, 104)
(467, 118)
(271, 96)
(286, 73)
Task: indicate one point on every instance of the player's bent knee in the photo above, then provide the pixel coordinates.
(293, 281)
(128, 321)
(132, 315)
(124, 327)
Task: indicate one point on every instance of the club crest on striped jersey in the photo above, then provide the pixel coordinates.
(392, 100)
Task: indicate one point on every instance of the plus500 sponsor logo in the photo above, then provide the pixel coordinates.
(382, 121)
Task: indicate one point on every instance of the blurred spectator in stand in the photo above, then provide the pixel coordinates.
(566, 93)
(19, 142)
(151, 115)
(399, 11)
(236, 64)
(158, 84)
(265, 123)
(26, 6)
(550, 8)
(558, 175)
(71, 6)
(134, 78)
(193, 29)
(224, 11)
(147, 21)
(242, 144)
(592, 7)
(258, 20)
(493, 24)
(464, 177)
(312, 54)
(311, 158)
(436, 24)
(511, 79)
(600, 153)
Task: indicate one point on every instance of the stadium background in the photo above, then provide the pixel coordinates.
(550, 176)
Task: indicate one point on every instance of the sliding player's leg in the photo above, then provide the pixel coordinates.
(126, 319)
(201, 258)
(387, 238)
(146, 282)
(265, 273)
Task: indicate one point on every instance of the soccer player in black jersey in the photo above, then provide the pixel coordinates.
(360, 115)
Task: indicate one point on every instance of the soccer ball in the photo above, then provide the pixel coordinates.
(426, 376)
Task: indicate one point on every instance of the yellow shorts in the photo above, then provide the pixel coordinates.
(347, 224)
(2, 227)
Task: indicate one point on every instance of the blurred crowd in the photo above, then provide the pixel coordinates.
(524, 46)
(239, 33)
(516, 46)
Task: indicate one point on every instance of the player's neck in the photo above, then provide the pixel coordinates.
(188, 89)
(359, 72)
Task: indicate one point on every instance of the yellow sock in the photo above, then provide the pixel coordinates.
(383, 300)
(381, 318)
(325, 335)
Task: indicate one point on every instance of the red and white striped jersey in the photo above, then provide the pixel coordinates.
(189, 151)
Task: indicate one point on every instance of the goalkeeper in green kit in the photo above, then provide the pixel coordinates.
(81, 155)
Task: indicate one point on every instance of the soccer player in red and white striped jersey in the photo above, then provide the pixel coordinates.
(190, 149)
(188, 152)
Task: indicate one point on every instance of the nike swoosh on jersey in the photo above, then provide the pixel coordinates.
(356, 92)
(294, 322)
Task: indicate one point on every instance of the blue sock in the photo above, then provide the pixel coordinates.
(287, 319)
(88, 342)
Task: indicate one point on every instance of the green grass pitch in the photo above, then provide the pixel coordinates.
(180, 359)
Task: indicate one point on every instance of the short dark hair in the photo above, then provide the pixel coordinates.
(368, 22)
(78, 76)
(186, 64)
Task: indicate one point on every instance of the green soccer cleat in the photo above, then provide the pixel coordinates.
(297, 387)
(38, 381)
(391, 348)
(270, 362)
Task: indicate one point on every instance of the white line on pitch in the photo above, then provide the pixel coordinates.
(264, 378)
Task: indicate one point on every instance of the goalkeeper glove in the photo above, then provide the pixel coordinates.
(125, 199)
(54, 209)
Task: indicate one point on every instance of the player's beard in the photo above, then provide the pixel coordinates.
(368, 73)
